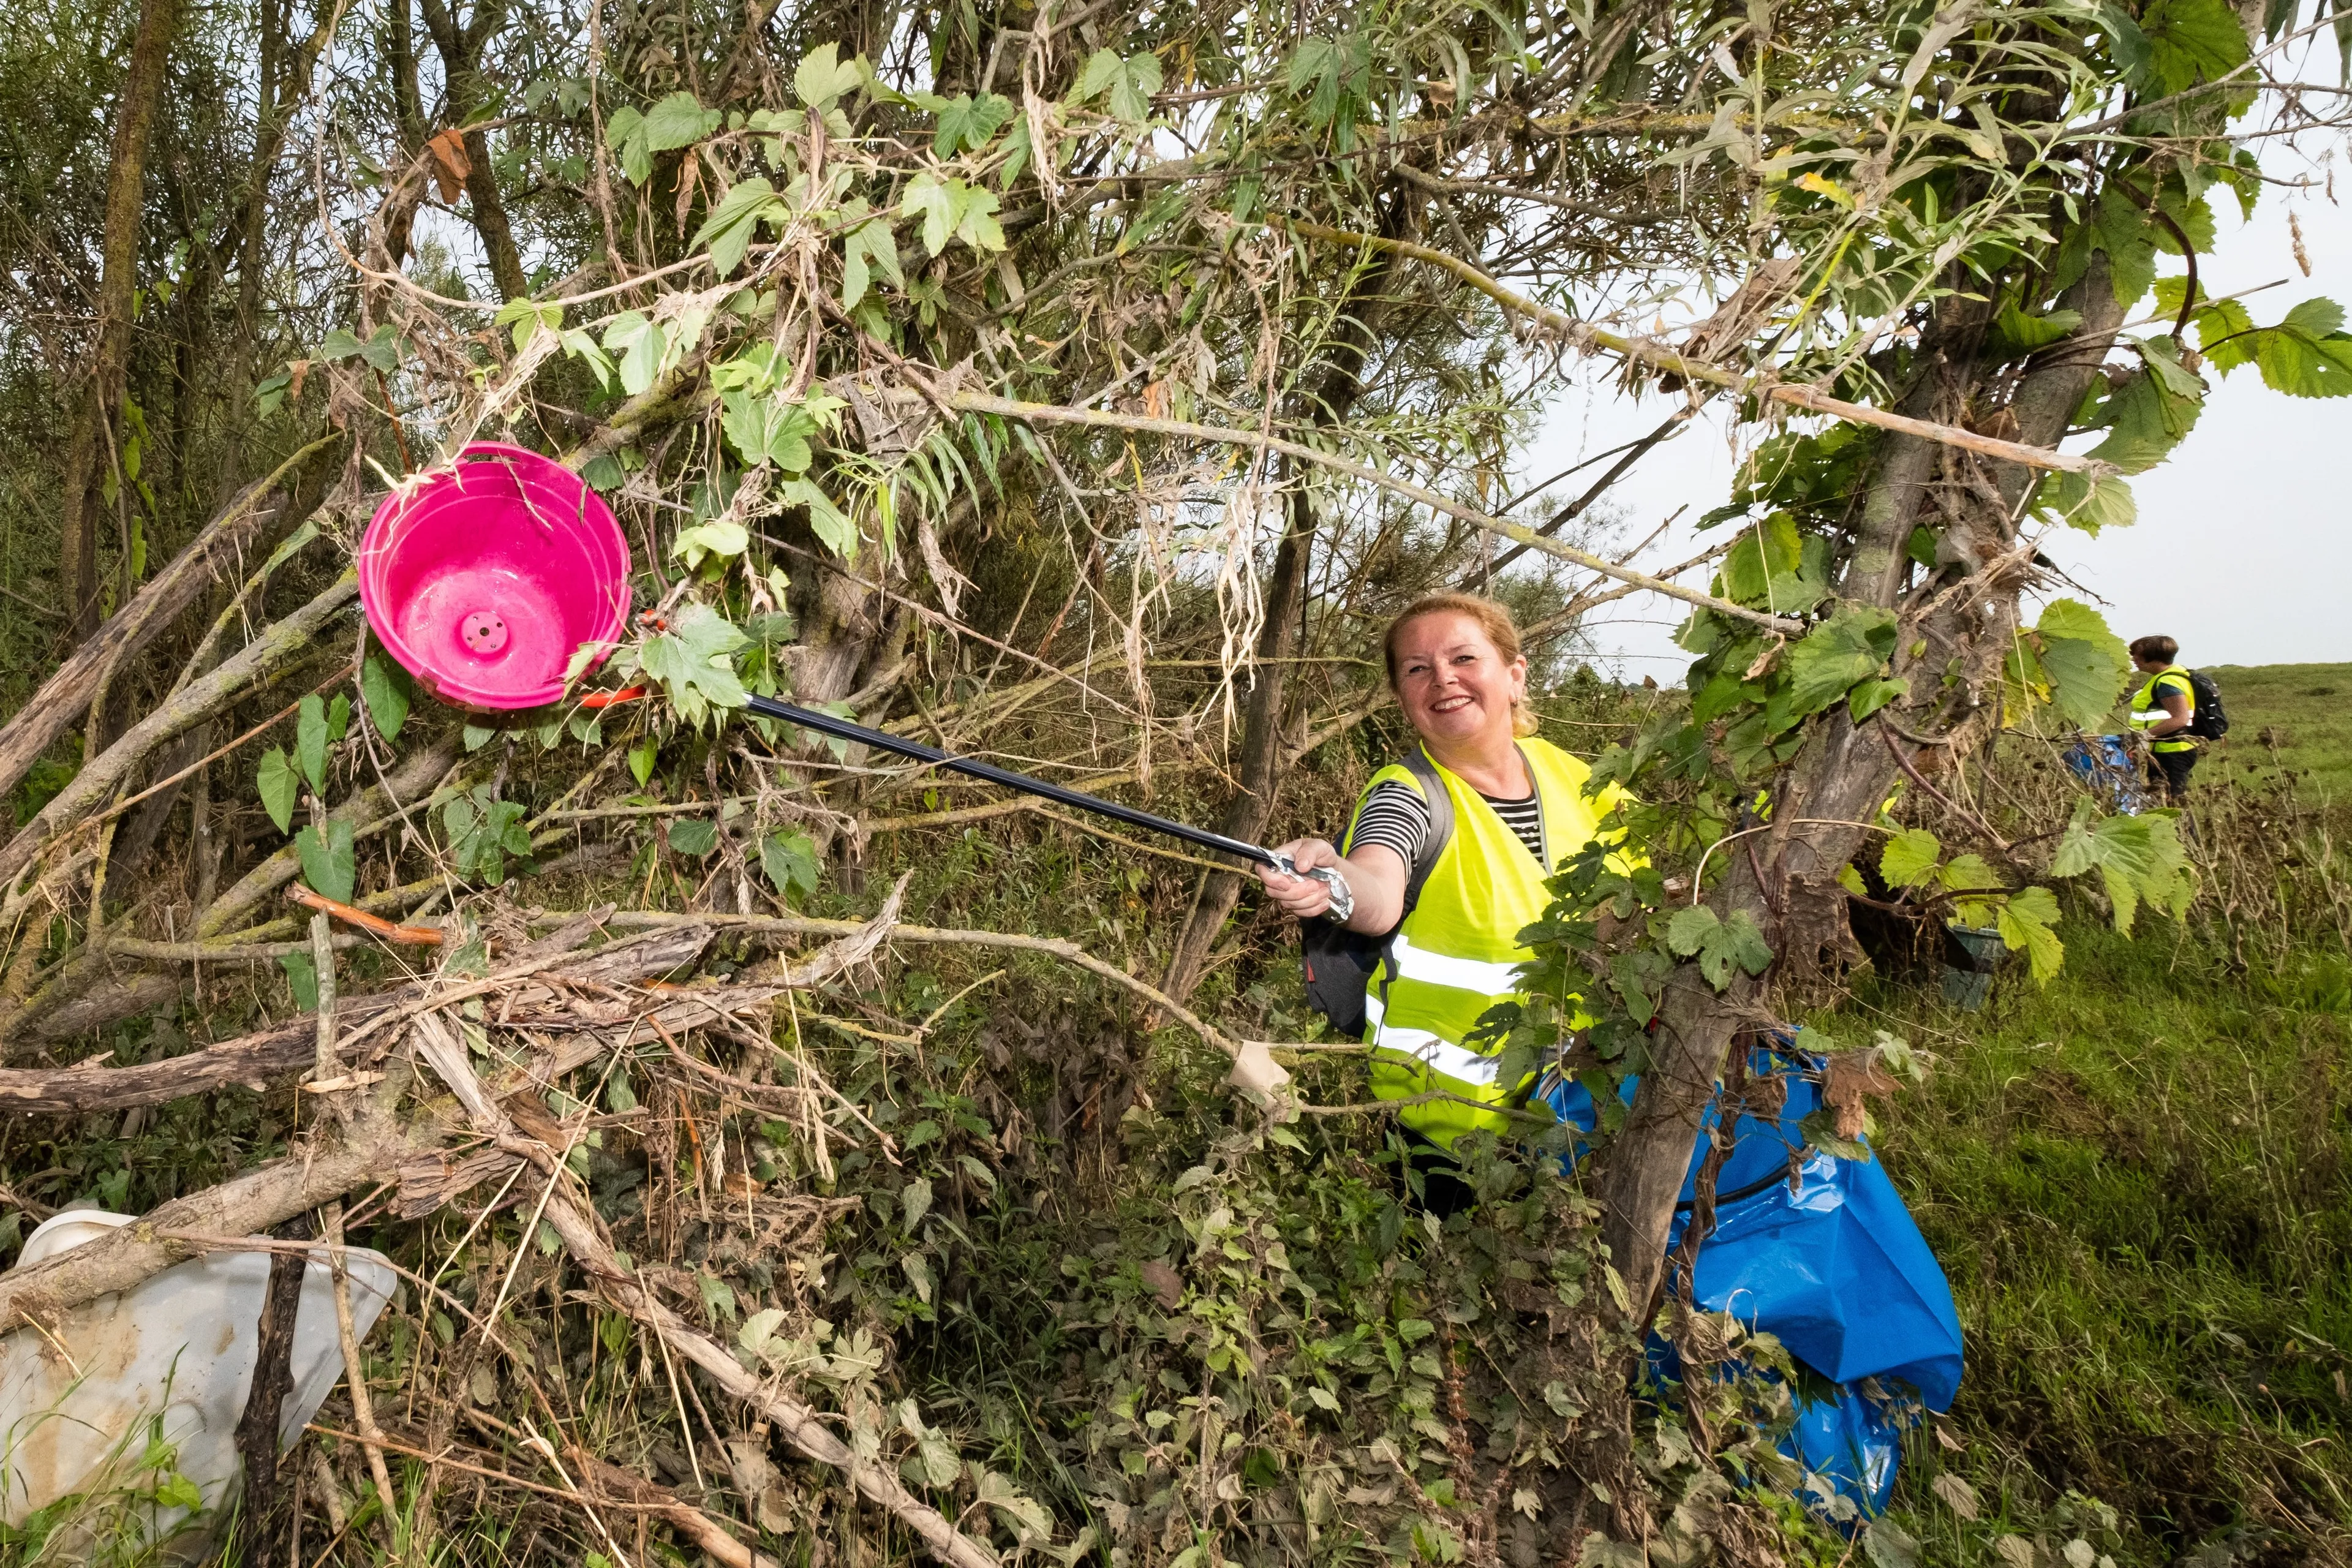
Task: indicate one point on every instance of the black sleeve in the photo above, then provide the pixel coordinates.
(1393, 813)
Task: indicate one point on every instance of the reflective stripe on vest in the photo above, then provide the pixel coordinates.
(2147, 712)
(1457, 952)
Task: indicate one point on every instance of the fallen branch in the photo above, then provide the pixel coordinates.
(65, 695)
(620, 1285)
(263, 660)
(407, 936)
(1658, 356)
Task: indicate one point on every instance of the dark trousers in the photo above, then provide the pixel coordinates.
(2170, 770)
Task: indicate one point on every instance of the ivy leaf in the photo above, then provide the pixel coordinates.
(693, 837)
(692, 661)
(2024, 922)
(788, 856)
(1835, 656)
(328, 863)
(678, 121)
(1909, 858)
(278, 784)
(384, 687)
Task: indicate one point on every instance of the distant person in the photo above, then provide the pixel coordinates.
(2162, 711)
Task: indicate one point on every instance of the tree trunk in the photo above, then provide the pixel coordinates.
(90, 451)
(461, 54)
(1331, 398)
(1785, 880)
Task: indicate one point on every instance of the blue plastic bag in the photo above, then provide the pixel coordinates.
(1821, 1253)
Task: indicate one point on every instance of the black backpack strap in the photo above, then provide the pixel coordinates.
(1440, 801)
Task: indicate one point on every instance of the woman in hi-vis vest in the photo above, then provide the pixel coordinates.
(1519, 809)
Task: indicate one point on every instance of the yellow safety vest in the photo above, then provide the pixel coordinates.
(1452, 957)
(2147, 711)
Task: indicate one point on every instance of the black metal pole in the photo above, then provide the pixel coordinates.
(843, 730)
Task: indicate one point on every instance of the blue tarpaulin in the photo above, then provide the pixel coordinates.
(1821, 1253)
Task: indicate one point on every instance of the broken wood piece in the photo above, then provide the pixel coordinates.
(408, 936)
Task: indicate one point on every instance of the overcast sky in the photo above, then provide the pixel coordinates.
(2243, 547)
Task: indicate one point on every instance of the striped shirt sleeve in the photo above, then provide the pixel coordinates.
(1393, 815)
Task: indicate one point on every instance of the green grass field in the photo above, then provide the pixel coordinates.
(2140, 1182)
(2289, 717)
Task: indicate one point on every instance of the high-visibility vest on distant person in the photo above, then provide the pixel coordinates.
(1452, 957)
(2148, 708)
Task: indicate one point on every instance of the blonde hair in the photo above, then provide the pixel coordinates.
(1490, 617)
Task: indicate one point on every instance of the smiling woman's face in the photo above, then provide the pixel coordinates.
(1452, 680)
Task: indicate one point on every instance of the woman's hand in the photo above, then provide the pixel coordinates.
(1303, 898)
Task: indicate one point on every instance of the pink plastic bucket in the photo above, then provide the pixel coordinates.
(485, 579)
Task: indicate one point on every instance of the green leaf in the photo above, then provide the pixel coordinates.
(951, 209)
(310, 741)
(340, 343)
(1690, 929)
(690, 836)
(2087, 505)
(642, 345)
(833, 529)
(302, 978)
(718, 538)
(718, 1296)
(1909, 858)
(641, 760)
(2084, 663)
(732, 224)
(915, 1202)
(482, 832)
(1718, 944)
(1128, 84)
(2138, 858)
(339, 718)
(2022, 334)
(177, 1491)
(788, 856)
(966, 121)
(1873, 694)
(1835, 656)
(678, 121)
(384, 687)
(866, 250)
(328, 863)
(822, 76)
(2190, 41)
(278, 785)
(2024, 922)
(2146, 420)
(693, 662)
(768, 429)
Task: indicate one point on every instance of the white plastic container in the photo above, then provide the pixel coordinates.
(76, 1400)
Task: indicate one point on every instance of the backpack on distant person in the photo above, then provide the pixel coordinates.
(2208, 722)
(1341, 963)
